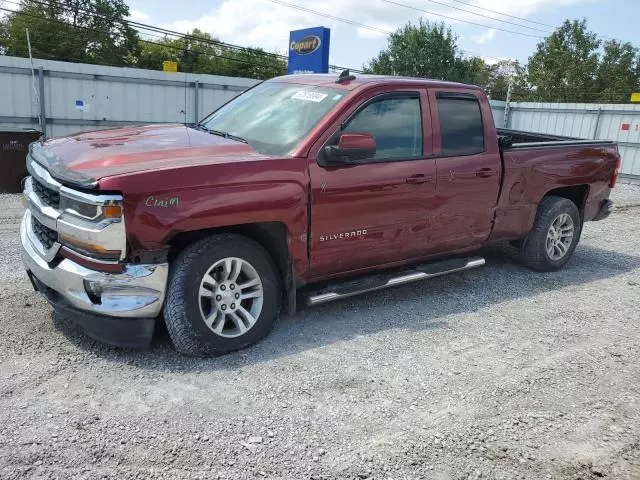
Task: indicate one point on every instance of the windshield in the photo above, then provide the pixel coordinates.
(273, 117)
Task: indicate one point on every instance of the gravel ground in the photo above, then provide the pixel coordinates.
(493, 373)
(626, 194)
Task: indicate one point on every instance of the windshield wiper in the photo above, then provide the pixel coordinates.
(221, 134)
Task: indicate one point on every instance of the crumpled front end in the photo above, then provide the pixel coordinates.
(74, 247)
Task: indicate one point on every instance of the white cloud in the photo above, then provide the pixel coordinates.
(138, 16)
(484, 37)
(13, 5)
(249, 22)
(267, 24)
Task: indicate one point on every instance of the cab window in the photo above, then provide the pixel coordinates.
(396, 125)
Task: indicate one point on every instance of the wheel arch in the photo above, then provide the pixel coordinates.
(578, 194)
(272, 236)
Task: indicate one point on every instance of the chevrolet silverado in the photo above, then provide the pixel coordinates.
(313, 187)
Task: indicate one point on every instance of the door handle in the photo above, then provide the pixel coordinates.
(484, 172)
(419, 178)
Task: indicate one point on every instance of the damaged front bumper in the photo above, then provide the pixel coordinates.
(116, 308)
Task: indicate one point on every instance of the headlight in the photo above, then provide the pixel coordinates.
(92, 225)
(80, 209)
(90, 211)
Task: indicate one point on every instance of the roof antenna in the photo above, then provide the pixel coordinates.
(345, 76)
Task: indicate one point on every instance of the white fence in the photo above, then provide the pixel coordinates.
(498, 109)
(83, 97)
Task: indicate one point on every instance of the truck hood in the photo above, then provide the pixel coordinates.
(84, 158)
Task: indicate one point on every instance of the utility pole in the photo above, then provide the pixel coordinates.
(33, 83)
(507, 103)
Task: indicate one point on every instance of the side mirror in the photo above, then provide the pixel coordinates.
(351, 148)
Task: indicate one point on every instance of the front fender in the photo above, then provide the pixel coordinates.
(159, 205)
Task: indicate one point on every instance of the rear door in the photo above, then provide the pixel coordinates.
(375, 212)
(469, 168)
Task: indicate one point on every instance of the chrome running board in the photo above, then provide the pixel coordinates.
(350, 288)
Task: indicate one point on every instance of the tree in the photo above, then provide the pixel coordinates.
(193, 55)
(428, 50)
(472, 70)
(254, 63)
(198, 52)
(618, 73)
(90, 31)
(565, 64)
(4, 34)
(570, 66)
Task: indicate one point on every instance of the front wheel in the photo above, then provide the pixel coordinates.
(223, 294)
(554, 237)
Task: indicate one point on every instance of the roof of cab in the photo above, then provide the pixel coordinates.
(329, 80)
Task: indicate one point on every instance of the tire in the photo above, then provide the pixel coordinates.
(191, 297)
(535, 252)
(517, 243)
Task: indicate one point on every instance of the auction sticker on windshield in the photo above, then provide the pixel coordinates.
(310, 96)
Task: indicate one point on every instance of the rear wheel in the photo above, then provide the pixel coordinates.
(554, 237)
(223, 294)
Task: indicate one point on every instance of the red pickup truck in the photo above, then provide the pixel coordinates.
(306, 186)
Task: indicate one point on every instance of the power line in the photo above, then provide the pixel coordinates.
(459, 20)
(332, 17)
(211, 41)
(554, 27)
(469, 53)
(363, 25)
(490, 17)
(503, 14)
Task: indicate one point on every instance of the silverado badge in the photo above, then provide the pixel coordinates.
(343, 235)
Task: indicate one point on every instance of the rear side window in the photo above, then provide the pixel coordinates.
(396, 125)
(460, 125)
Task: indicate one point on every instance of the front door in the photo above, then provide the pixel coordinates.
(376, 211)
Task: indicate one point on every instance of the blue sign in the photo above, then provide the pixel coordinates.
(309, 50)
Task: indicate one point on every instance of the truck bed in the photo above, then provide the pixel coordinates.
(517, 139)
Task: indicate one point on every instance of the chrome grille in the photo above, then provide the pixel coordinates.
(46, 236)
(47, 195)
